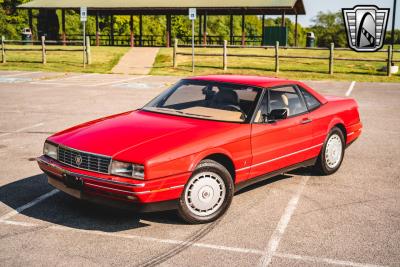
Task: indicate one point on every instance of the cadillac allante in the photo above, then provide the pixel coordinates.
(196, 144)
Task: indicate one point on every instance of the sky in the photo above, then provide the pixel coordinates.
(314, 6)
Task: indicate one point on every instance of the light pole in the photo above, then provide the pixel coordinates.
(394, 20)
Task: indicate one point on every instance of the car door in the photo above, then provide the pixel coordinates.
(280, 143)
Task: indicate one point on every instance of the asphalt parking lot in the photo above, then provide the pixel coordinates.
(351, 218)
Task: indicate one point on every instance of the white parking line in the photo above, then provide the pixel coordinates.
(23, 129)
(199, 245)
(276, 237)
(28, 205)
(59, 81)
(114, 82)
(18, 223)
(324, 260)
(19, 74)
(353, 83)
(79, 76)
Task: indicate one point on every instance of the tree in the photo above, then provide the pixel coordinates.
(12, 20)
(329, 28)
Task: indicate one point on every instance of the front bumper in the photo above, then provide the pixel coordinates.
(150, 195)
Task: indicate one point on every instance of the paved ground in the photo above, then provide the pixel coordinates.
(351, 218)
(138, 60)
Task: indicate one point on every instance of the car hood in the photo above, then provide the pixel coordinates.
(152, 132)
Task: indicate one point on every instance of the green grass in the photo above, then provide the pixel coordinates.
(307, 69)
(103, 59)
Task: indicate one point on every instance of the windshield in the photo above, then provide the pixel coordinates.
(207, 100)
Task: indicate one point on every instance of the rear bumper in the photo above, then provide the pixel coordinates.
(353, 132)
(143, 196)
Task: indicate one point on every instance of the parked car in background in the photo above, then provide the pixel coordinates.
(196, 144)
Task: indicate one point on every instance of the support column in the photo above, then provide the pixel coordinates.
(30, 16)
(168, 32)
(63, 34)
(243, 30)
(141, 30)
(231, 30)
(97, 30)
(132, 38)
(205, 30)
(112, 29)
(200, 28)
(263, 30)
(283, 22)
(296, 33)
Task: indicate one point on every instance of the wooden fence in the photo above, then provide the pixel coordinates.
(330, 58)
(160, 40)
(44, 46)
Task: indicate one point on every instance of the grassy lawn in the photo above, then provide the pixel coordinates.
(103, 59)
(307, 69)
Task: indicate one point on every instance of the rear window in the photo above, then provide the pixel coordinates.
(311, 101)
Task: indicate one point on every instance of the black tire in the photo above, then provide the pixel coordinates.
(321, 166)
(185, 208)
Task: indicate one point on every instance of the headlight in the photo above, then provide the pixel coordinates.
(50, 150)
(126, 169)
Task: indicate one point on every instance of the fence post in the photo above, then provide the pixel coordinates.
(44, 61)
(3, 50)
(389, 61)
(331, 55)
(277, 56)
(175, 60)
(225, 55)
(88, 52)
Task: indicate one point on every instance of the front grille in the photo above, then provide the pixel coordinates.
(88, 161)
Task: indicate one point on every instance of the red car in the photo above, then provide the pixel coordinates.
(196, 144)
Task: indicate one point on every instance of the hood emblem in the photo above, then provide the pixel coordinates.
(78, 160)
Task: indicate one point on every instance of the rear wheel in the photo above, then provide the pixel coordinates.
(332, 153)
(207, 194)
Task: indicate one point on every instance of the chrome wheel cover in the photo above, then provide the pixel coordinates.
(205, 193)
(333, 151)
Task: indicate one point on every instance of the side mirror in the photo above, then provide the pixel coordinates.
(277, 114)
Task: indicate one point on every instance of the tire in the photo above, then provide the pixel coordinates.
(331, 156)
(208, 193)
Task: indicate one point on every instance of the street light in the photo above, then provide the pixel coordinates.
(394, 20)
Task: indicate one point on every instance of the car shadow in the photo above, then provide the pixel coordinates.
(264, 183)
(308, 171)
(64, 210)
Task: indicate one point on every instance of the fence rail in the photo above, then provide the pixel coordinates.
(34, 46)
(330, 58)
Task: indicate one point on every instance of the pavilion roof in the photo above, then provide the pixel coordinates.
(223, 7)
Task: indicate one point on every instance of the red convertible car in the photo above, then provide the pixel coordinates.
(196, 144)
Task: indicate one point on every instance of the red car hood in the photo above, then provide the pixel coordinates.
(147, 130)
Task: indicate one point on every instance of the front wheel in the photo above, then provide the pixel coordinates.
(332, 153)
(207, 194)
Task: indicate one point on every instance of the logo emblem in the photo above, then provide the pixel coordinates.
(78, 160)
(366, 27)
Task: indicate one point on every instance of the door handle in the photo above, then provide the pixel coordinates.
(305, 121)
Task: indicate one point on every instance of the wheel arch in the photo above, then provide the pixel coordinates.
(339, 123)
(343, 129)
(225, 161)
(220, 156)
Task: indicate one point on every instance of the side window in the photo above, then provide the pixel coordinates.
(286, 98)
(311, 101)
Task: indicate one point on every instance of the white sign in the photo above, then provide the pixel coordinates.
(192, 13)
(83, 14)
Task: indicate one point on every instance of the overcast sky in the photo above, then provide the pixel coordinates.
(314, 6)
